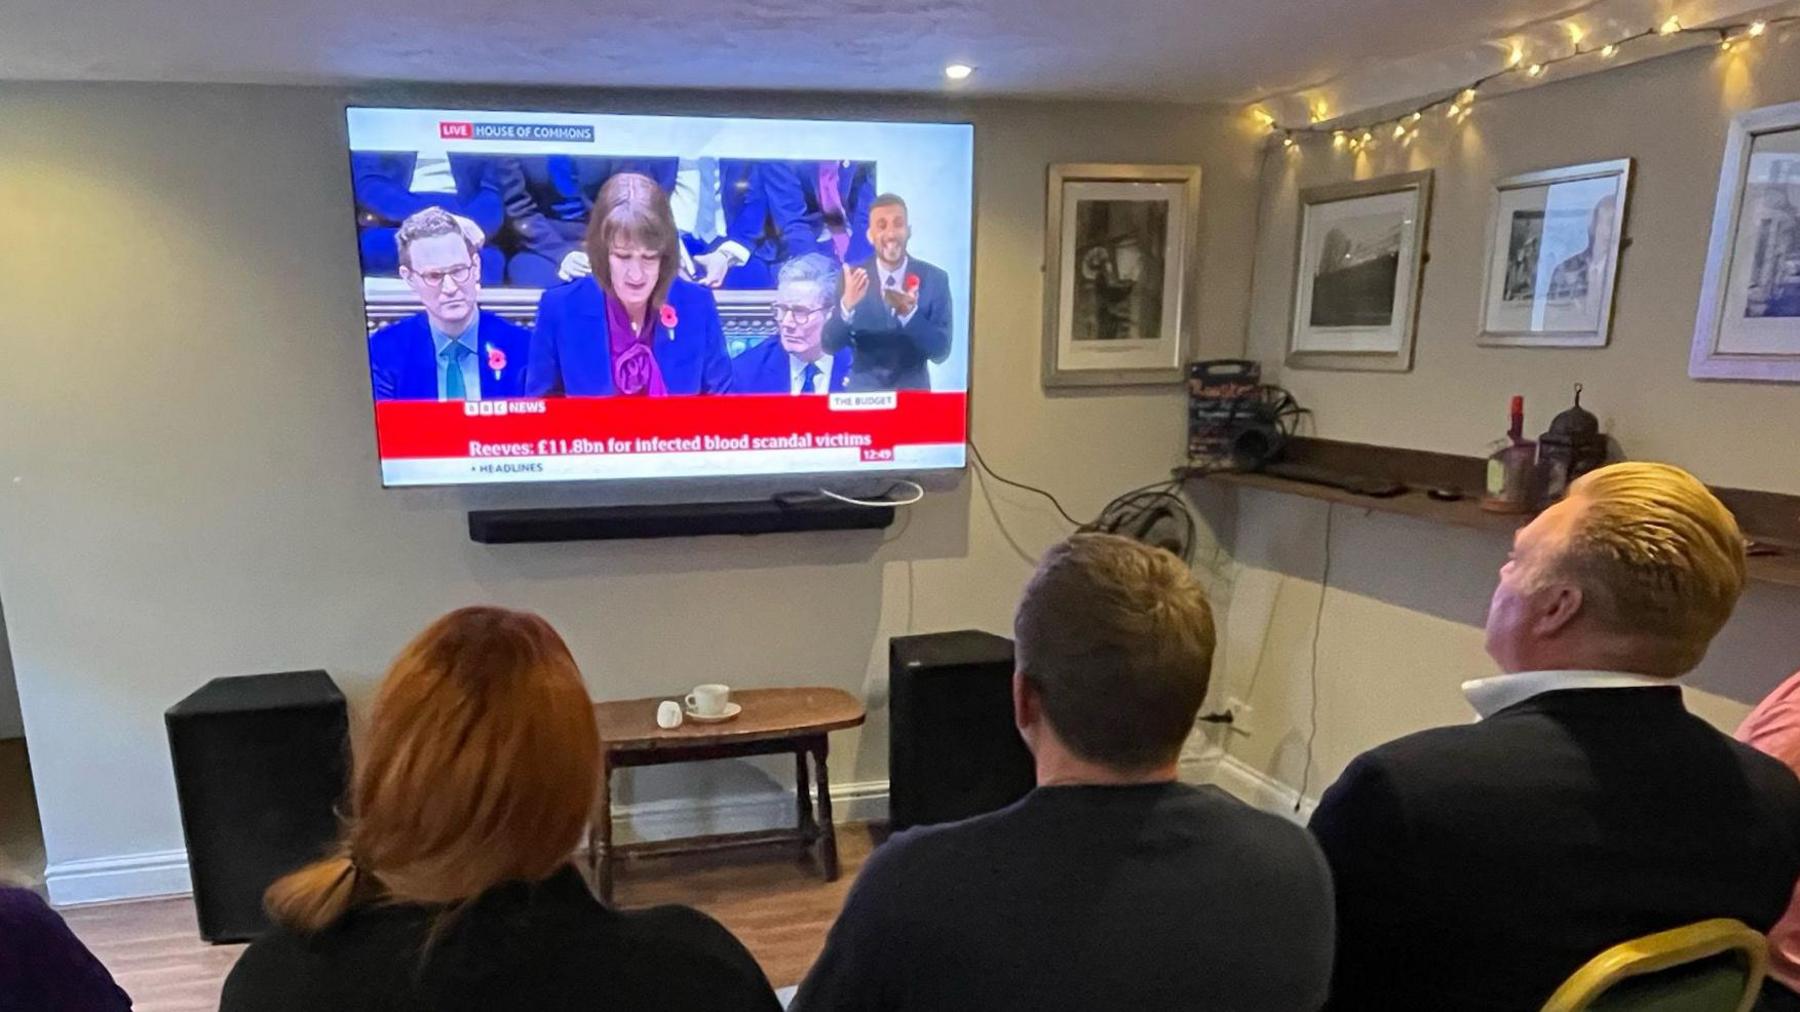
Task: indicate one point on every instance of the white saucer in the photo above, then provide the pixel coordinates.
(731, 710)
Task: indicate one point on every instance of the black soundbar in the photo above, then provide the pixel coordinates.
(679, 520)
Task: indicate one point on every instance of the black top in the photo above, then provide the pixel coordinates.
(1477, 867)
(544, 948)
(1152, 897)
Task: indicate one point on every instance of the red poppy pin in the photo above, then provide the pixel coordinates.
(496, 360)
(669, 319)
(912, 284)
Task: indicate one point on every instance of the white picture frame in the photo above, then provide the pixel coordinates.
(1748, 327)
(1554, 243)
(1359, 261)
(1121, 273)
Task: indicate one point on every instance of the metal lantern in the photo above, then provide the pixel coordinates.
(1570, 448)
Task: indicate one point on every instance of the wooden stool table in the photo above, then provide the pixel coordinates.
(772, 721)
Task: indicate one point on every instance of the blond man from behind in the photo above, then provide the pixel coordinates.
(1478, 866)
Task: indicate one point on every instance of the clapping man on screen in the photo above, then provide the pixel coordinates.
(895, 311)
(453, 351)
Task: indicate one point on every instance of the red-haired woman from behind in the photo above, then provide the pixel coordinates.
(453, 887)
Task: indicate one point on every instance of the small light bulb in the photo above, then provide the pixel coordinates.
(1609, 51)
(1757, 28)
(1576, 34)
(1669, 27)
(1415, 117)
(1288, 141)
(1338, 139)
(1516, 57)
(1467, 97)
(1320, 112)
(1368, 137)
(1399, 131)
(1535, 70)
(1453, 111)
(958, 71)
(1263, 118)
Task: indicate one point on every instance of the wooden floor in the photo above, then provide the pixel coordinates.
(776, 904)
(21, 838)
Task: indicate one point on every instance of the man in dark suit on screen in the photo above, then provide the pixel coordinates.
(453, 350)
(1478, 866)
(795, 361)
(895, 312)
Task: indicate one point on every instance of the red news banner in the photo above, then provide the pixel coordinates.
(874, 423)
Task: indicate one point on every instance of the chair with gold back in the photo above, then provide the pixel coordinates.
(1712, 966)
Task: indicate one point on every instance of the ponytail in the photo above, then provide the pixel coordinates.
(315, 897)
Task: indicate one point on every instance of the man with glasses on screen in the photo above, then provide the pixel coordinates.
(453, 351)
(795, 361)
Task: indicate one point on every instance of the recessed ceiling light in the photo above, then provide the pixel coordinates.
(958, 71)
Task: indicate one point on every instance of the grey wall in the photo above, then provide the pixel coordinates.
(1400, 627)
(187, 481)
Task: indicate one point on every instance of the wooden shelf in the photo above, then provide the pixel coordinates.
(1419, 470)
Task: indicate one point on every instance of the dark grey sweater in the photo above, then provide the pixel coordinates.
(1145, 898)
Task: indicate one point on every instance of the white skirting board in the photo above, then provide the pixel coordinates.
(165, 873)
(1254, 787)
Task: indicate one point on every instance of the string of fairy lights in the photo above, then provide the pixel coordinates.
(1457, 106)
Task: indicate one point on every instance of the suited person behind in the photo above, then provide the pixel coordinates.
(791, 208)
(895, 311)
(795, 361)
(391, 186)
(1478, 866)
(454, 350)
(632, 328)
(722, 209)
(549, 202)
(1112, 885)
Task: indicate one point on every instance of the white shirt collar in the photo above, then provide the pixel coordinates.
(796, 367)
(1491, 695)
(899, 272)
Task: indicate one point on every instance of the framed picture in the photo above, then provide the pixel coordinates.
(1553, 256)
(1749, 322)
(1121, 265)
(1356, 279)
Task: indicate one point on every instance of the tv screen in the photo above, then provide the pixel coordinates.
(563, 296)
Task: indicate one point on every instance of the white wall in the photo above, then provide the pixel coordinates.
(1401, 623)
(187, 474)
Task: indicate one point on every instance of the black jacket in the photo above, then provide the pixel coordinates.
(1478, 866)
(543, 947)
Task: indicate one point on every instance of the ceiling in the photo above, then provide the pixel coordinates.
(1183, 50)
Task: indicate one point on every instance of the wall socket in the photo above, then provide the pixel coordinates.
(1242, 715)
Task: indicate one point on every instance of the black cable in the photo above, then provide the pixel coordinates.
(1021, 485)
(1312, 731)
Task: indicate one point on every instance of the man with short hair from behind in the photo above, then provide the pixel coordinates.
(1110, 886)
(1478, 866)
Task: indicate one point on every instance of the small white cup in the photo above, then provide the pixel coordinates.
(668, 715)
(709, 700)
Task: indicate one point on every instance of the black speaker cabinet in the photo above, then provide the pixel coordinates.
(953, 751)
(261, 762)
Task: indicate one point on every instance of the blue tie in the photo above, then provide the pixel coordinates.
(706, 224)
(808, 377)
(454, 387)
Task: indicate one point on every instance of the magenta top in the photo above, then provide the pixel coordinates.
(1774, 727)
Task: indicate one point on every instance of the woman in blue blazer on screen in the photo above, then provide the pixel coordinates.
(633, 329)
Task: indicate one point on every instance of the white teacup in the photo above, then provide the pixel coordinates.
(709, 700)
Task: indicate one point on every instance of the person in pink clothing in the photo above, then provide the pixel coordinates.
(1774, 727)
